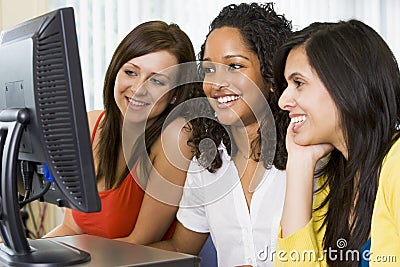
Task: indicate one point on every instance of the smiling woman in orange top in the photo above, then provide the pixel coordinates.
(139, 94)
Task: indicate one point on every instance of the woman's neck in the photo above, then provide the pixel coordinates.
(250, 170)
(243, 137)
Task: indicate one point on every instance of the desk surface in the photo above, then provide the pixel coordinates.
(107, 252)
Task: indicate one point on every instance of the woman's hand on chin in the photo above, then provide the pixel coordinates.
(310, 153)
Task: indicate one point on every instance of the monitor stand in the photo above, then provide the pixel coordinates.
(15, 249)
(44, 253)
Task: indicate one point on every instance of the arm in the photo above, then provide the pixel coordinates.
(299, 232)
(385, 225)
(300, 168)
(67, 227)
(92, 117)
(306, 243)
(164, 188)
(193, 227)
(184, 241)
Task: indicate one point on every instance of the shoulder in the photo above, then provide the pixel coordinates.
(391, 163)
(178, 129)
(391, 169)
(175, 137)
(92, 117)
(279, 175)
(202, 175)
(225, 158)
(172, 145)
(393, 156)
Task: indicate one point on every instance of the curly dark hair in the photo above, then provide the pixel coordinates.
(263, 31)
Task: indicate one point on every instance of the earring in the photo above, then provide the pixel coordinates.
(215, 115)
(173, 100)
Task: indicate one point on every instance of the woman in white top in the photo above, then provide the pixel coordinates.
(235, 185)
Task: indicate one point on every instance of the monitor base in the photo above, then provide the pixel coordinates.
(45, 253)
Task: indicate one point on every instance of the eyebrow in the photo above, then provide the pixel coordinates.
(152, 73)
(294, 74)
(228, 57)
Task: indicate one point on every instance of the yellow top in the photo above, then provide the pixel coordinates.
(385, 227)
(304, 247)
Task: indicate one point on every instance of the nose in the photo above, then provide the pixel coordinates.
(214, 84)
(139, 88)
(220, 78)
(287, 101)
(219, 85)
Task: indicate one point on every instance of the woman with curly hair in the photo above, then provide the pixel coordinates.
(236, 182)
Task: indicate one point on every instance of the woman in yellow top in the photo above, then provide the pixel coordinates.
(341, 88)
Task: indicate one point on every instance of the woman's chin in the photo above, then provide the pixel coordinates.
(230, 119)
(303, 141)
(133, 121)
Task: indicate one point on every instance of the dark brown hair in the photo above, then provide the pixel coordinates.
(146, 38)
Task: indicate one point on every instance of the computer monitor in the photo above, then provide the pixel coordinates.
(44, 126)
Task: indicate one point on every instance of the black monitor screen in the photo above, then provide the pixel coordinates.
(44, 129)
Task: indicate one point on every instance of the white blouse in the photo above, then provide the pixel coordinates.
(215, 203)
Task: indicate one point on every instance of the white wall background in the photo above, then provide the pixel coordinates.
(101, 24)
(13, 12)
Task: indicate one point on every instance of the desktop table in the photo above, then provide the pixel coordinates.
(107, 252)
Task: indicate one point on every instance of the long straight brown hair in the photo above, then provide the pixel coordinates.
(146, 38)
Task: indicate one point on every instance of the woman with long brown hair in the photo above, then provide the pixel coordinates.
(141, 88)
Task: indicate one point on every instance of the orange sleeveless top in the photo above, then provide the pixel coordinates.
(119, 208)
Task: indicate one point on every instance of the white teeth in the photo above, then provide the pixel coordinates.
(136, 103)
(226, 99)
(298, 119)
